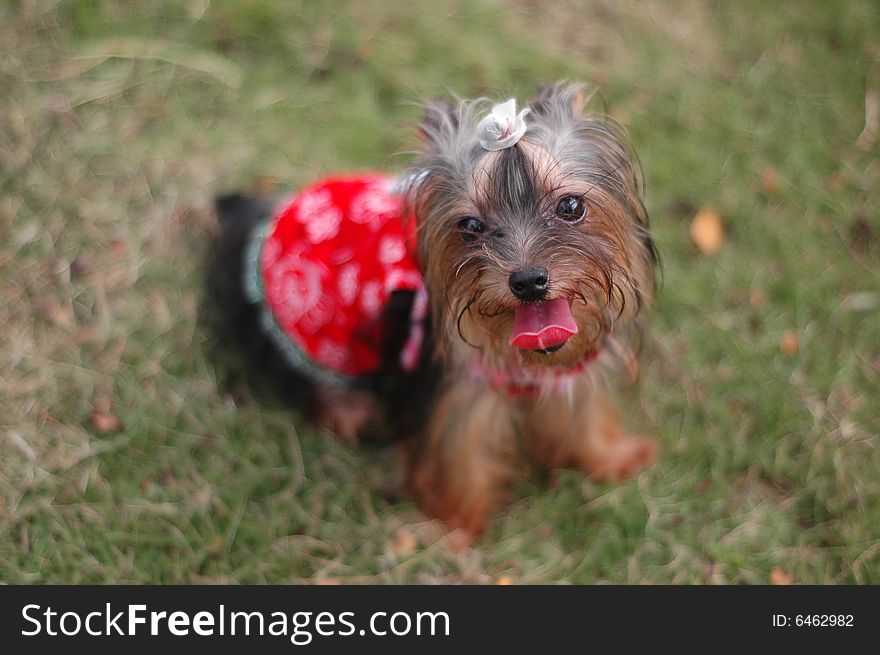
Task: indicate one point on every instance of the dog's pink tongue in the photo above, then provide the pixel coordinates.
(542, 325)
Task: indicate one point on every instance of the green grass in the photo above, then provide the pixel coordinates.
(118, 123)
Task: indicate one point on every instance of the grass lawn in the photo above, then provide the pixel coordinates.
(121, 462)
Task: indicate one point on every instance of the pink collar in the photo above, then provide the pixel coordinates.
(523, 382)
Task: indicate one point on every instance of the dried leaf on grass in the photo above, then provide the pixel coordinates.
(707, 231)
(790, 343)
(405, 543)
(103, 419)
(105, 422)
(779, 577)
(770, 180)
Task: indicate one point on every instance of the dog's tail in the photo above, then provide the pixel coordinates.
(238, 216)
(237, 208)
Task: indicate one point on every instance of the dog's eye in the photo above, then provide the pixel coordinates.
(470, 228)
(571, 209)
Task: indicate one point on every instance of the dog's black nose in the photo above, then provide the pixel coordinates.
(530, 284)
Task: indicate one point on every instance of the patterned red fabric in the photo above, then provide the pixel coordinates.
(330, 260)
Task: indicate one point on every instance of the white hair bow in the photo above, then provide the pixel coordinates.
(503, 127)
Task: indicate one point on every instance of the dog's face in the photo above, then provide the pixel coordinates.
(539, 254)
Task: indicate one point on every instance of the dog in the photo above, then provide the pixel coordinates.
(476, 307)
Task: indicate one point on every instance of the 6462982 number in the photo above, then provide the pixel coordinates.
(824, 620)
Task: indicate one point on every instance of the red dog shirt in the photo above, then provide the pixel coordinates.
(324, 267)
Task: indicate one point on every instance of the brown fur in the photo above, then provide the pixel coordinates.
(480, 436)
(458, 469)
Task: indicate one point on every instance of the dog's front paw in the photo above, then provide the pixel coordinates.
(621, 457)
(346, 413)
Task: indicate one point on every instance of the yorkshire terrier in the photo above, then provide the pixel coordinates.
(475, 307)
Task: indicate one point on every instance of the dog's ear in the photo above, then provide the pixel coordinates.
(568, 99)
(440, 118)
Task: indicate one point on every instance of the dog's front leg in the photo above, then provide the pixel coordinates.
(459, 467)
(583, 430)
